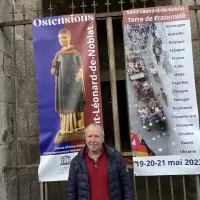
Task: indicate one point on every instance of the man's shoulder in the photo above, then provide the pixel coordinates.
(111, 148)
(117, 154)
(79, 157)
(76, 160)
(113, 151)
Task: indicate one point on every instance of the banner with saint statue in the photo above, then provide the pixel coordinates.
(68, 88)
(163, 114)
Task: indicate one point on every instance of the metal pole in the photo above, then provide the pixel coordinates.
(135, 188)
(197, 187)
(16, 99)
(46, 190)
(41, 191)
(159, 188)
(58, 190)
(172, 188)
(26, 97)
(184, 188)
(111, 56)
(147, 187)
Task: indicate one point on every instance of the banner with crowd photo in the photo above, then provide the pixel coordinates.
(68, 88)
(163, 113)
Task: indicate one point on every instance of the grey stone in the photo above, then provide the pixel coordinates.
(1, 62)
(7, 155)
(4, 122)
(8, 158)
(7, 132)
(1, 178)
(34, 170)
(24, 184)
(7, 89)
(8, 65)
(9, 173)
(5, 41)
(3, 192)
(20, 67)
(23, 152)
(11, 188)
(20, 31)
(12, 121)
(34, 151)
(24, 54)
(3, 162)
(29, 36)
(5, 8)
(8, 122)
(30, 60)
(11, 159)
(30, 6)
(22, 129)
(32, 97)
(35, 185)
(23, 33)
(193, 25)
(21, 93)
(33, 120)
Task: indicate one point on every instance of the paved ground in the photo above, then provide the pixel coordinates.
(156, 139)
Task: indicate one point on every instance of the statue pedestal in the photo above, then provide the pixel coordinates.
(69, 137)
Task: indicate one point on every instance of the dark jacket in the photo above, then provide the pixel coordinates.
(120, 187)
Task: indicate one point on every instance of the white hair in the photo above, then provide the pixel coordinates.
(95, 125)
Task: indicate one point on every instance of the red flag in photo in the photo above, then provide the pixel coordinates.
(135, 142)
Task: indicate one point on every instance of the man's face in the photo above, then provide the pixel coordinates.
(64, 40)
(94, 138)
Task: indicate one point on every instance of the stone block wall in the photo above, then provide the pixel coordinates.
(19, 138)
(8, 180)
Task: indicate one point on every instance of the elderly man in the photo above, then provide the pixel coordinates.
(98, 172)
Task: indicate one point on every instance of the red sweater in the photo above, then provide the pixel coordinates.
(98, 177)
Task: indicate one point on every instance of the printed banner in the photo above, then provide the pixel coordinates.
(163, 113)
(68, 88)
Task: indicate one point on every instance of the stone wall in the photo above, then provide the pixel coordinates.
(19, 138)
(27, 119)
(7, 109)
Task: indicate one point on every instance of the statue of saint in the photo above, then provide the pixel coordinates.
(69, 85)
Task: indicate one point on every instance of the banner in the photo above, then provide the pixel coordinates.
(163, 113)
(68, 88)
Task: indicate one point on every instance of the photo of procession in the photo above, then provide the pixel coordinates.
(148, 70)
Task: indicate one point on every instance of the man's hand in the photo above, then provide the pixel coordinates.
(53, 71)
